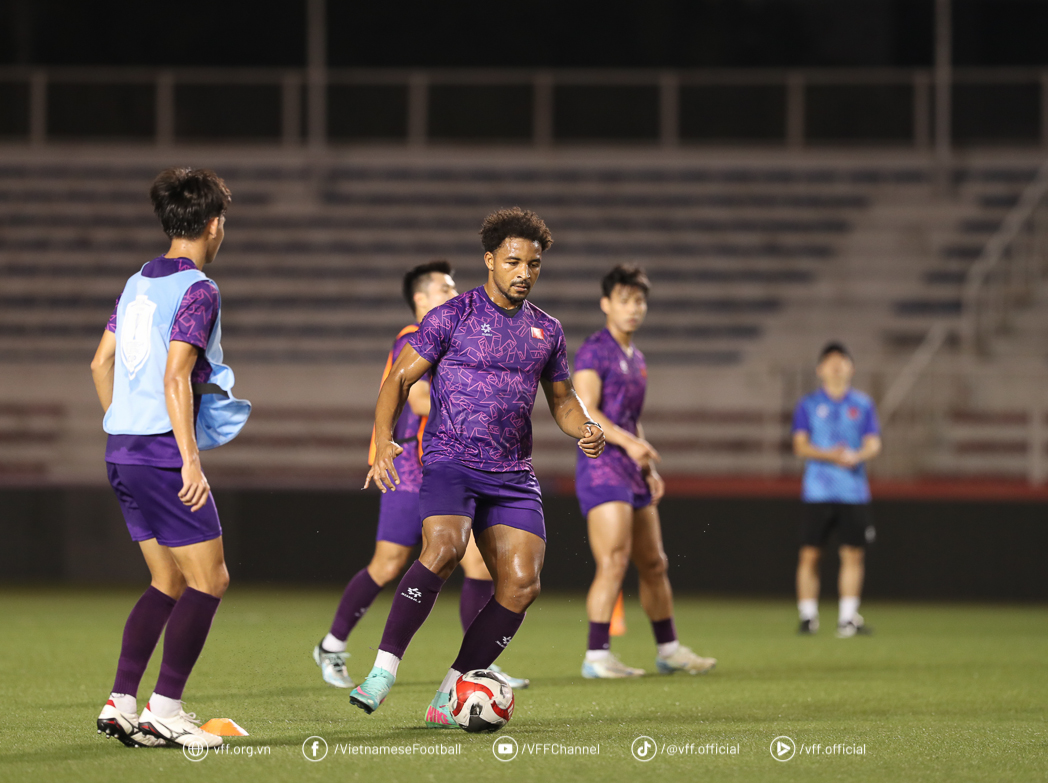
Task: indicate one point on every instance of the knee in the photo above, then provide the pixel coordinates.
(614, 563)
(809, 557)
(654, 566)
(172, 586)
(384, 570)
(219, 582)
(852, 555)
(441, 555)
(520, 592)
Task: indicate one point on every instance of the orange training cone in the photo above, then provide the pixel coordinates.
(618, 618)
(224, 727)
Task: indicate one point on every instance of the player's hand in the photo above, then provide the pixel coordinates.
(642, 452)
(592, 441)
(847, 458)
(656, 486)
(195, 488)
(385, 453)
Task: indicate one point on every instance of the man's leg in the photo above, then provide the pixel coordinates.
(853, 559)
(386, 564)
(609, 529)
(808, 586)
(656, 596)
(444, 541)
(477, 587)
(203, 566)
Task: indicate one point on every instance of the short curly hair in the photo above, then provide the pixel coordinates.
(514, 222)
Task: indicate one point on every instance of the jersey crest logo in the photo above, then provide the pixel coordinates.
(537, 333)
(853, 413)
(136, 334)
(485, 329)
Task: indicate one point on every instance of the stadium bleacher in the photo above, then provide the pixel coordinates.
(755, 260)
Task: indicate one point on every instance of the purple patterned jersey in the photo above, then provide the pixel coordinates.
(487, 368)
(624, 380)
(193, 324)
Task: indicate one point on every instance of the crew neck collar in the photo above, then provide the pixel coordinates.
(507, 313)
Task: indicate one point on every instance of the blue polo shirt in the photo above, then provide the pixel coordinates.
(831, 423)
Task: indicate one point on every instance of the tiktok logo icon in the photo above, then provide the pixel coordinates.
(644, 748)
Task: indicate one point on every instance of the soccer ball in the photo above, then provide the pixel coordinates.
(481, 701)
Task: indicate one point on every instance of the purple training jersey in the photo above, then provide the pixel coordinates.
(624, 380)
(193, 324)
(488, 364)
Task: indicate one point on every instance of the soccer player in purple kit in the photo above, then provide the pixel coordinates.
(159, 375)
(425, 286)
(488, 351)
(619, 491)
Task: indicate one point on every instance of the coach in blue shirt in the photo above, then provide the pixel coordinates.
(835, 430)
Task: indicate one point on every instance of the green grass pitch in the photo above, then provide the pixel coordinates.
(940, 693)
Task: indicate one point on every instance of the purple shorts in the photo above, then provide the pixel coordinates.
(149, 499)
(513, 499)
(592, 496)
(399, 521)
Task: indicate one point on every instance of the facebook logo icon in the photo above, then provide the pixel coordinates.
(315, 749)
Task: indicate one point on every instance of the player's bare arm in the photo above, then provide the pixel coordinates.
(178, 392)
(406, 371)
(102, 369)
(588, 386)
(656, 485)
(418, 398)
(871, 447)
(573, 417)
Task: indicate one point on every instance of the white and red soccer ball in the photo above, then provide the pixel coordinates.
(481, 701)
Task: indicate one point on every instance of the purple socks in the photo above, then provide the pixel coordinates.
(475, 593)
(186, 633)
(599, 636)
(665, 631)
(487, 636)
(360, 593)
(141, 633)
(412, 603)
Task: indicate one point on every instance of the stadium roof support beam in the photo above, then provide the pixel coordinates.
(943, 88)
(316, 72)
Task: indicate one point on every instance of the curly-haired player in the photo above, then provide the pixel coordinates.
(488, 351)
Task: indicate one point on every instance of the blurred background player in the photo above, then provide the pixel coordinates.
(399, 525)
(166, 396)
(619, 491)
(835, 430)
(489, 350)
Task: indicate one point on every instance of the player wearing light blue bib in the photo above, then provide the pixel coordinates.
(167, 396)
(835, 430)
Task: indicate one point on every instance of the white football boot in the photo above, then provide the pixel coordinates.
(333, 667)
(684, 660)
(609, 668)
(182, 729)
(124, 727)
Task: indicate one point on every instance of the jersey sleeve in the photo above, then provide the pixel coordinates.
(196, 315)
(871, 425)
(398, 346)
(801, 423)
(556, 369)
(589, 357)
(111, 326)
(433, 337)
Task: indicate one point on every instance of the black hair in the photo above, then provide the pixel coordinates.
(514, 222)
(414, 278)
(629, 276)
(833, 347)
(186, 199)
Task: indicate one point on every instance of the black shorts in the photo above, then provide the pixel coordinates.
(853, 522)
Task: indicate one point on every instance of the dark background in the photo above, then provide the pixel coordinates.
(925, 550)
(547, 33)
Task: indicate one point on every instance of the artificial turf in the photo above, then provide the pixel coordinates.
(940, 692)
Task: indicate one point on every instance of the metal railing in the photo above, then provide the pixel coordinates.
(795, 108)
(1009, 269)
